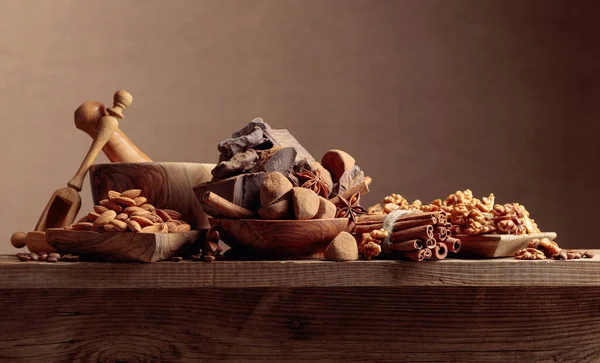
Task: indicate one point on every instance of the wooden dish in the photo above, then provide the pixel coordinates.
(166, 185)
(496, 245)
(281, 238)
(120, 246)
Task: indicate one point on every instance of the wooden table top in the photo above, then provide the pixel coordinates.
(503, 272)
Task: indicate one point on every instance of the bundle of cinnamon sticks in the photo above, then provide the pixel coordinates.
(415, 236)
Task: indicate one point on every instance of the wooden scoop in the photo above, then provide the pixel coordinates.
(63, 206)
(65, 202)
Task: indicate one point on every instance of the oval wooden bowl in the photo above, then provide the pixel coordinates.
(167, 185)
(281, 238)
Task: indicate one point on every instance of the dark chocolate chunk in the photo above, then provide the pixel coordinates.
(238, 164)
(284, 139)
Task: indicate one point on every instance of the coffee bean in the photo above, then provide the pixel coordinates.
(176, 258)
(34, 256)
(196, 257)
(52, 259)
(23, 257)
(55, 255)
(43, 256)
(208, 258)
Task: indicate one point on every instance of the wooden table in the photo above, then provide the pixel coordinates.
(453, 310)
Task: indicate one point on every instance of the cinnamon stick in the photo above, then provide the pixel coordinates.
(442, 218)
(416, 255)
(378, 218)
(226, 207)
(430, 243)
(440, 251)
(399, 225)
(439, 237)
(362, 188)
(421, 232)
(453, 244)
(428, 253)
(442, 232)
(411, 245)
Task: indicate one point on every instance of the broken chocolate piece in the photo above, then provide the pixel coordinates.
(283, 138)
(243, 190)
(257, 122)
(232, 146)
(276, 159)
(238, 164)
(349, 179)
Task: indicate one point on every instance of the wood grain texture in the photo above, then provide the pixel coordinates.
(120, 246)
(417, 324)
(496, 245)
(166, 185)
(312, 273)
(282, 238)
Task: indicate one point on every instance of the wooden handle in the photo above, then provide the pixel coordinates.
(106, 128)
(119, 148)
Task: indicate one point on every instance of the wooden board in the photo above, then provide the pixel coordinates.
(496, 245)
(498, 310)
(120, 246)
(166, 185)
(499, 272)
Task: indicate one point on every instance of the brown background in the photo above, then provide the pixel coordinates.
(429, 96)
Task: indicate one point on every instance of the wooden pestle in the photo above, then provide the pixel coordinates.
(119, 148)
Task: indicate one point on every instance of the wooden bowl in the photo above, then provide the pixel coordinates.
(120, 246)
(281, 238)
(166, 185)
(496, 245)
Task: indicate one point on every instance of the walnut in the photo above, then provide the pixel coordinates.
(389, 207)
(375, 209)
(549, 248)
(370, 244)
(530, 254)
(507, 226)
(396, 199)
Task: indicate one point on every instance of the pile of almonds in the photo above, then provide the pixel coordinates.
(129, 212)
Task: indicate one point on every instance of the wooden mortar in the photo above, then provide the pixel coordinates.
(167, 185)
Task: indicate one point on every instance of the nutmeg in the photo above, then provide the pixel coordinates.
(274, 186)
(306, 203)
(337, 162)
(277, 210)
(342, 248)
(326, 209)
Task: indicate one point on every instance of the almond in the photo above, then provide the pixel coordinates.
(103, 201)
(120, 226)
(122, 217)
(151, 229)
(105, 218)
(112, 194)
(83, 219)
(173, 213)
(83, 226)
(70, 228)
(148, 207)
(183, 228)
(143, 221)
(92, 216)
(132, 193)
(131, 210)
(128, 202)
(100, 209)
(143, 213)
(171, 226)
(140, 200)
(177, 221)
(154, 218)
(134, 226)
(109, 228)
(163, 228)
(113, 206)
(163, 215)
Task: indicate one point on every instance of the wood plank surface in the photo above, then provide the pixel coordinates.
(312, 273)
(366, 324)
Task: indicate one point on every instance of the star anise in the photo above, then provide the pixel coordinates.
(350, 208)
(312, 179)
